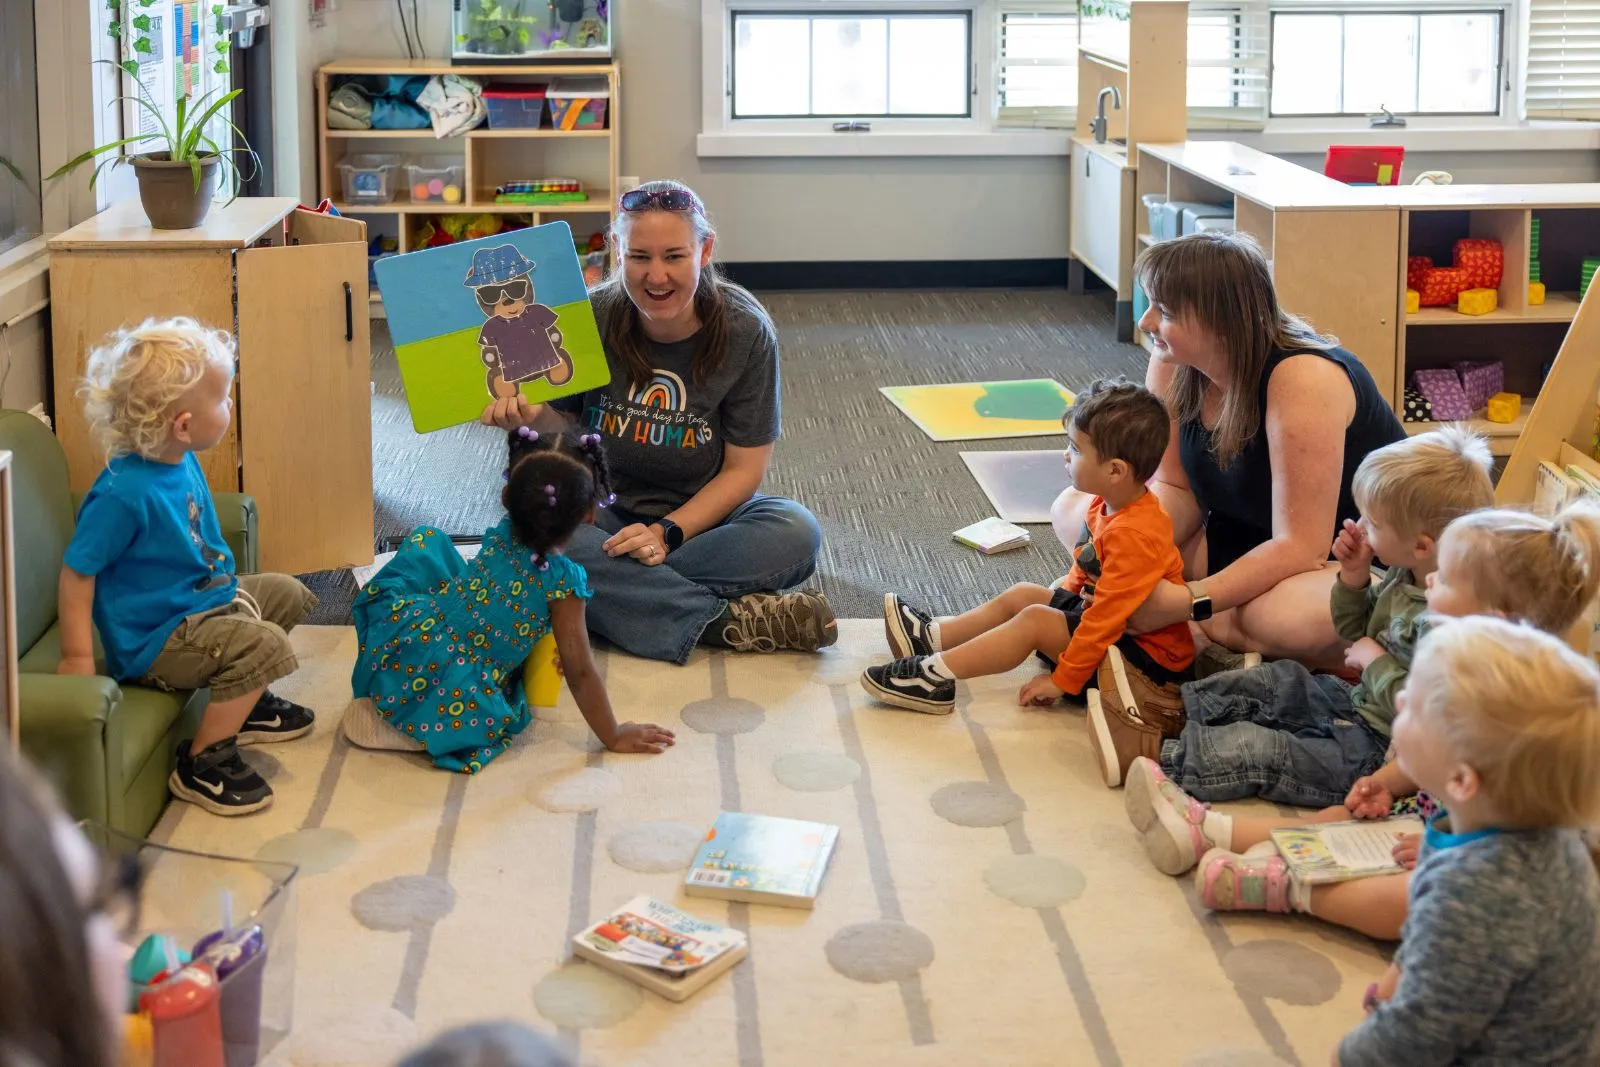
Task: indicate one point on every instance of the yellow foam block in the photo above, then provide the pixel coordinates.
(541, 678)
(1477, 301)
(1504, 407)
(1535, 293)
(1413, 301)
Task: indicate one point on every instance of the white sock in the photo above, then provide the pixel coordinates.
(1299, 895)
(1218, 828)
(935, 664)
(933, 636)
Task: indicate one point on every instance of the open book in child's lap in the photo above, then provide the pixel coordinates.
(480, 320)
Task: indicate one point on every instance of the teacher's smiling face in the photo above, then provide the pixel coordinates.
(661, 264)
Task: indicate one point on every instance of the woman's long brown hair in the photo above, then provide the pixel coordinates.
(1221, 282)
(621, 328)
(50, 1015)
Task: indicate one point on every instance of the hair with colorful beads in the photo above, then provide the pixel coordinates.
(552, 482)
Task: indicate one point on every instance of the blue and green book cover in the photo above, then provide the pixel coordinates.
(762, 859)
(479, 320)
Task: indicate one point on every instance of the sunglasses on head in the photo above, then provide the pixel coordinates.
(516, 289)
(660, 199)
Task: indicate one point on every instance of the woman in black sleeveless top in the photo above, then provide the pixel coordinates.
(1270, 421)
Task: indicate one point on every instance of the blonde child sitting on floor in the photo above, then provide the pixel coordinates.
(148, 565)
(1509, 563)
(1278, 730)
(1500, 963)
(1116, 434)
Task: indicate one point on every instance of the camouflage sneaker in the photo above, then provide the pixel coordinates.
(773, 622)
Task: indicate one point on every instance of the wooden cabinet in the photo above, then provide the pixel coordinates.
(1101, 237)
(292, 287)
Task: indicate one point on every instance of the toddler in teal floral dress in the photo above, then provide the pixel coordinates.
(443, 640)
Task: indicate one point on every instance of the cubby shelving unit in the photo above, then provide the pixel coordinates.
(488, 156)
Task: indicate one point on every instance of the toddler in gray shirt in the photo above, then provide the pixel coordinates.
(1500, 959)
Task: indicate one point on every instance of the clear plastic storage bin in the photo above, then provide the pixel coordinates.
(369, 179)
(435, 182)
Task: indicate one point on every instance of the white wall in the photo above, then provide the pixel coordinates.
(298, 49)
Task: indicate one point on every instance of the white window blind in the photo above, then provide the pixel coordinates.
(1229, 62)
(1037, 71)
(1562, 79)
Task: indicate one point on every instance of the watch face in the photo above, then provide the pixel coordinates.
(1202, 609)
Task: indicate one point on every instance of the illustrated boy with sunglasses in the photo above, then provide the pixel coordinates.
(520, 342)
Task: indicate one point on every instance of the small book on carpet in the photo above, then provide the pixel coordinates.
(1342, 851)
(661, 948)
(993, 535)
(762, 860)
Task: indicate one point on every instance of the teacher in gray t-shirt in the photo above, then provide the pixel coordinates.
(690, 551)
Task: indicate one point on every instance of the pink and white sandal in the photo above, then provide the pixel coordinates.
(1170, 820)
(1257, 880)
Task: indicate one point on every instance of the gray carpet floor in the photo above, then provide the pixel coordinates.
(888, 498)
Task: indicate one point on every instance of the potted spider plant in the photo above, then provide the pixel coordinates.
(179, 172)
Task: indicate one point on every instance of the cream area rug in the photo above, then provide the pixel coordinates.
(987, 904)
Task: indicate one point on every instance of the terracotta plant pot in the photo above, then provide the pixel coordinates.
(168, 193)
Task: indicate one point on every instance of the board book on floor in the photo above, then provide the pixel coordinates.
(971, 411)
(479, 320)
(1022, 486)
(1341, 851)
(667, 951)
(992, 535)
(762, 859)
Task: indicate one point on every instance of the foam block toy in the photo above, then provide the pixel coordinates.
(1416, 267)
(1413, 301)
(1441, 285)
(1535, 293)
(1442, 390)
(1504, 407)
(1417, 408)
(1482, 259)
(1477, 301)
(1480, 379)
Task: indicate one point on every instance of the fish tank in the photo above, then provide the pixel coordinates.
(520, 31)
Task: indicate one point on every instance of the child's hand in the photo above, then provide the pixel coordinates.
(1363, 654)
(1369, 799)
(1354, 553)
(641, 737)
(1039, 693)
(1384, 988)
(76, 665)
(509, 412)
(1405, 850)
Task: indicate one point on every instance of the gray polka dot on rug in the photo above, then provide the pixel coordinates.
(883, 950)
(815, 770)
(1234, 1057)
(977, 804)
(656, 846)
(723, 715)
(1282, 970)
(1033, 881)
(360, 1037)
(408, 902)
(585, 998)
(582, 789)
(314, 851)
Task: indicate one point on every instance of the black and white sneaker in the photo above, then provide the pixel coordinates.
(909, 630)
(911, 683)
(219, 780)
(275, 719)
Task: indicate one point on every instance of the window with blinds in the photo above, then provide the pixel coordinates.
(1562, 75)
(1038, 65)
(1229, 49)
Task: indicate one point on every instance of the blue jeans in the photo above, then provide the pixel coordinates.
(767, 543)
(1276, 731)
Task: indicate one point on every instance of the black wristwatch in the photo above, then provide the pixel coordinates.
(671, 533)
(1199, 603)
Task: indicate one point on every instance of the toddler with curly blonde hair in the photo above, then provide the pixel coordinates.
(149, 568)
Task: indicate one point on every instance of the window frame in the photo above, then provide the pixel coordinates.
(732, 11)
(1507, 12)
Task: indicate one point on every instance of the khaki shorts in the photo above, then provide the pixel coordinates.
(232, 649)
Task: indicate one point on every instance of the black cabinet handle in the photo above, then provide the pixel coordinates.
(349, 315)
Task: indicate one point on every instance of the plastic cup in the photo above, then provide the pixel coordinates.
(239, 958)
(185, 1016)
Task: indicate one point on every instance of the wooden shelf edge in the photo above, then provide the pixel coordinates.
(1557, 307)
(436, 66)
(1502, 436)
(595, 204)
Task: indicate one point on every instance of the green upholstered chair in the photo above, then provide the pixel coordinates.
(108, 747)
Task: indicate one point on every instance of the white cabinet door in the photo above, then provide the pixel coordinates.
(1097, 211)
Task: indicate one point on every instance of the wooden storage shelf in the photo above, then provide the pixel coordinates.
(488, 156)
(1502, 436)
(1557, 307)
